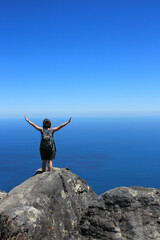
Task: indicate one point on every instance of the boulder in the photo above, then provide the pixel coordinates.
(123, 213)
(2, 194)
(47, 206)
(59, 205)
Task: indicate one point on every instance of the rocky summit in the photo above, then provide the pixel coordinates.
(2, 194)
(60, 205)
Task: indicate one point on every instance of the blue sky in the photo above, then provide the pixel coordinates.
(79, 57)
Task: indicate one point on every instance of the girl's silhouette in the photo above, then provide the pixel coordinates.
(47, 145)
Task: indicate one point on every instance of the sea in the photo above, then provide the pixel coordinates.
(107, 152)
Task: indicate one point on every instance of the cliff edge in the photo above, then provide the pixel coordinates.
(60, 205)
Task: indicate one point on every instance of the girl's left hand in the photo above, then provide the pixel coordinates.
(26, 118)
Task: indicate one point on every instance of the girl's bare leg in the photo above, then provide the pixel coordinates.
(44, 165)
(49, 165)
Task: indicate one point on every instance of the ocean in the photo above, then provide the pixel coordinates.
(107, 152)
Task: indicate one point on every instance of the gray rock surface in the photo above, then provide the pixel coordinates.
(60, 205)
(131, 213)
(2, 195)
(47, 206)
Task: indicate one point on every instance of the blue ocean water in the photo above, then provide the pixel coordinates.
(106, 152)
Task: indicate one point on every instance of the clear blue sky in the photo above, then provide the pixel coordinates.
(79, 57)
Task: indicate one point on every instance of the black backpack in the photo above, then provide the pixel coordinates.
(47, 141)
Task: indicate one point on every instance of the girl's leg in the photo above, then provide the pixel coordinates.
(49, 165)
(44, 165)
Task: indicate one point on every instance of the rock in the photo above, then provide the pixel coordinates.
(59, 205)
(131, 213)
(46, 206)
(2, 194)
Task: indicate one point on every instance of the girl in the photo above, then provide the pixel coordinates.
(47, 145)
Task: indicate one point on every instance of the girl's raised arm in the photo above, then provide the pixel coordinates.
(62, 125)
(32, 124)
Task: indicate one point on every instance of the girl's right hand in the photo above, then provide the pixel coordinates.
(69, 119)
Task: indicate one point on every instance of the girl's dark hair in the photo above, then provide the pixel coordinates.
(46, 123)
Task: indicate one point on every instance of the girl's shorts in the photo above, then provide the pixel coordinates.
(47, 155)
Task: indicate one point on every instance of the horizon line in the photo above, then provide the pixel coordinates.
(81, 114)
